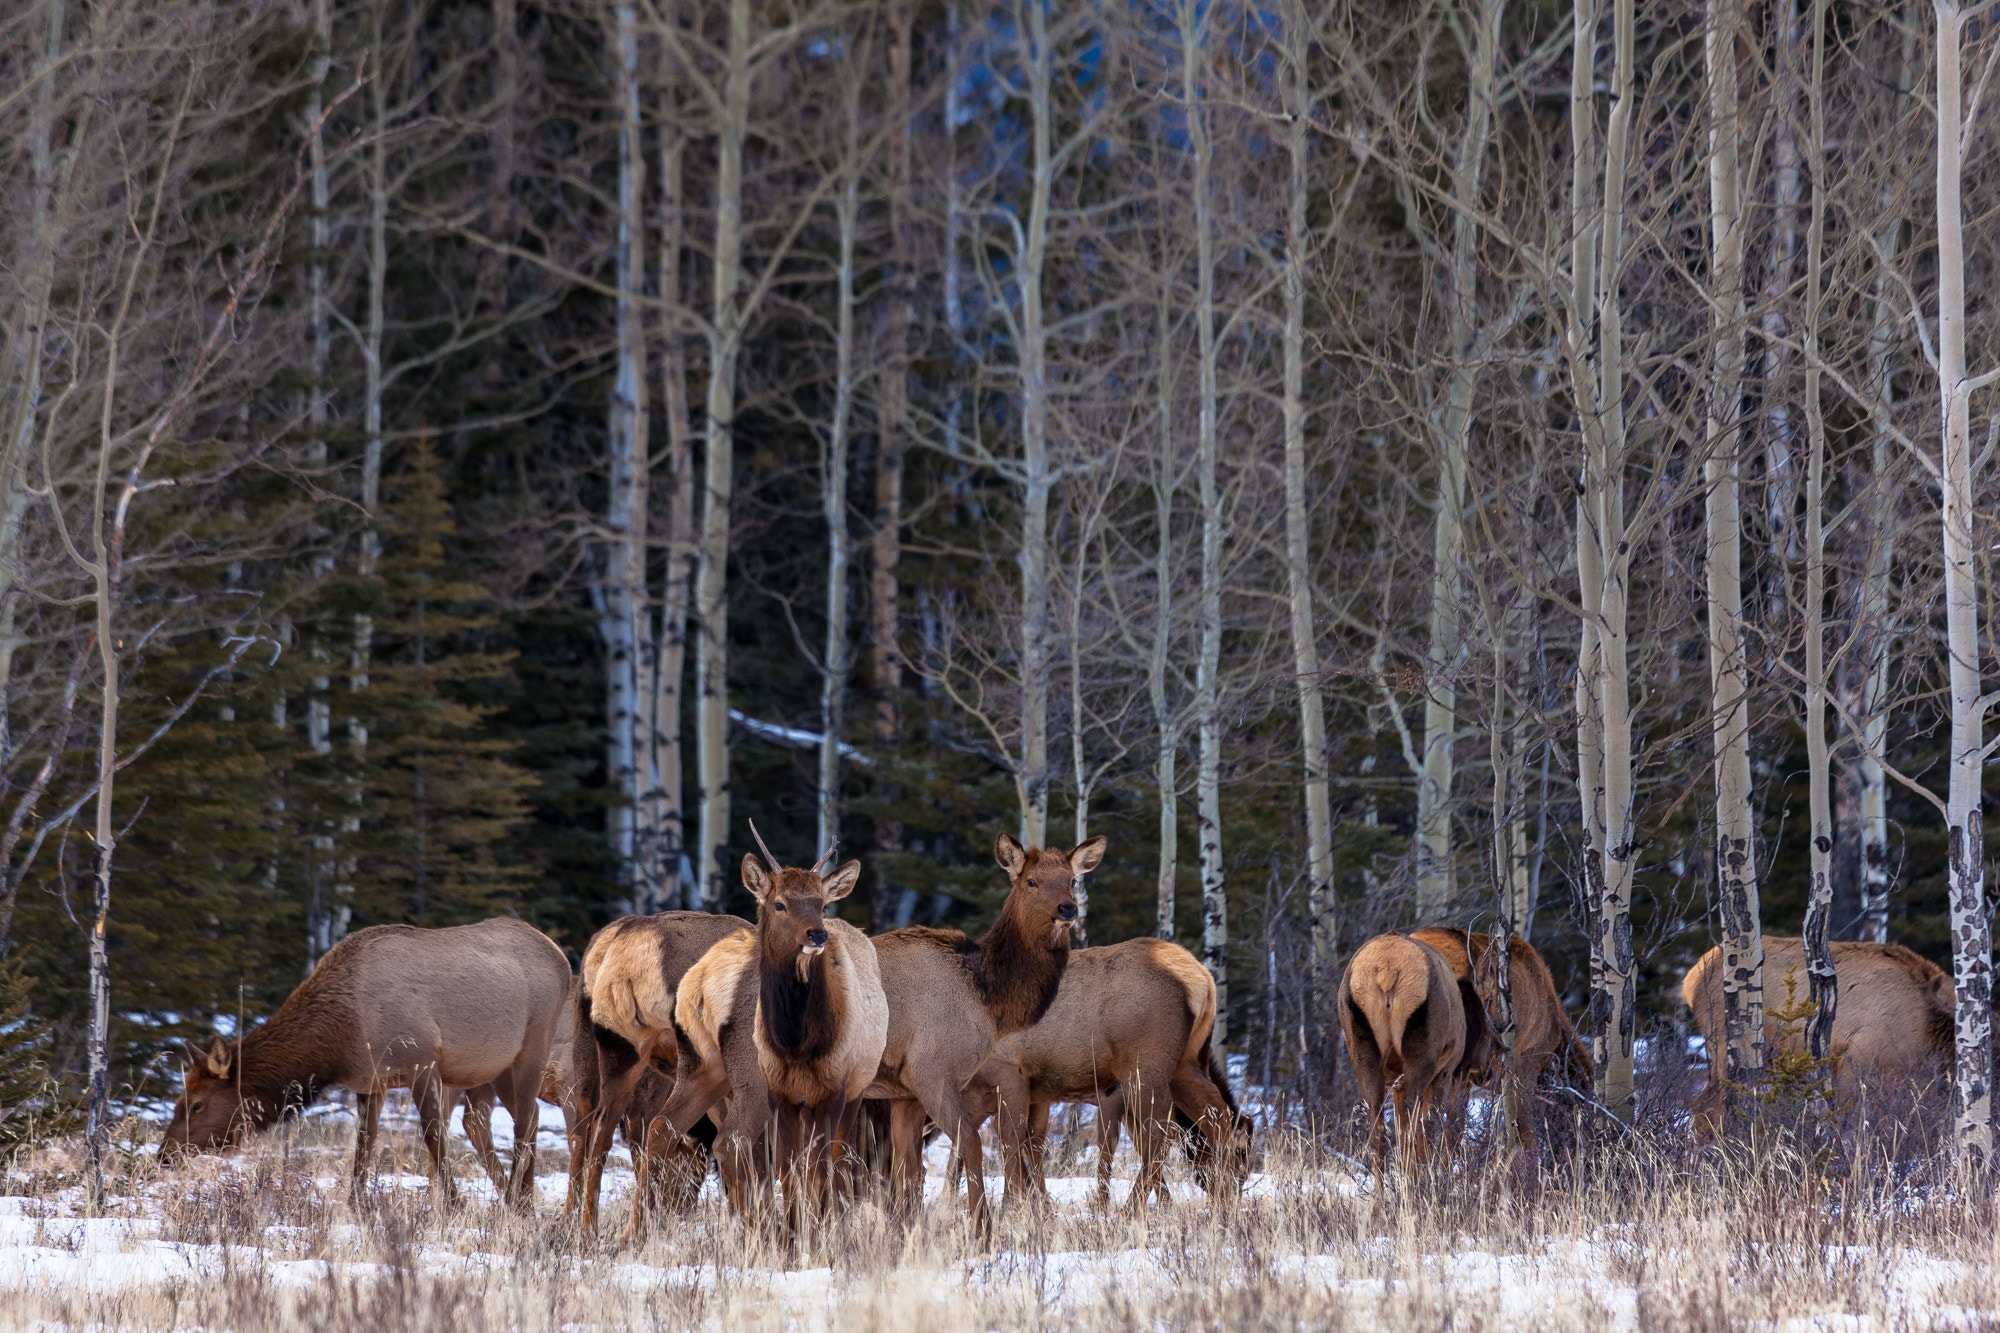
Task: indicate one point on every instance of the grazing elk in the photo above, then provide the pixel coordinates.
(819, 1020)
(434, 1011)
(1130, 1029)
(1411, 1029)
(1546, 1046)
(951, 998)
(1892, 1029)
(632, 971)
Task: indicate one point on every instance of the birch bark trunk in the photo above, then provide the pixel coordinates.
(1298, 559)
(1735, 855)
(675, 876)
(1037, 479)
(1972, 945)
(711, 604)
(1821, 980)
(1780, 468)
(628, 667)
(1166, 726)
(1208, 686)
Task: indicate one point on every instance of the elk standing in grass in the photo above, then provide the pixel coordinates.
(434, 1011)
(1130, 1029)
(1411, 1029)
(625, 1003)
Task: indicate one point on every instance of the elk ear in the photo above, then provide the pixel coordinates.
(842, 881)
(1083, 857)
(756, 879)
(197, 1055)
(219, 1057)
(1009, 854)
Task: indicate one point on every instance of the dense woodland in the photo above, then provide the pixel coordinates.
(1443, 461)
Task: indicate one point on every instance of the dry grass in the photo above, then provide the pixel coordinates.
(1638, 1232)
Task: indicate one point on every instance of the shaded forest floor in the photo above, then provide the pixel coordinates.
(1625, 1236)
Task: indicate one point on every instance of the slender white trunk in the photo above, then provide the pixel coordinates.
(1820, 976)
(1208, 667)
(1972, 946)
(833, 679)
(1032, 779)
(711, 585)
(1166, 727)
(1780, 468)
(625, 628)
(675, 875)
(1298, 561)
(326, 915)
(1735, 853)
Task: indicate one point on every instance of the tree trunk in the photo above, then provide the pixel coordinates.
(1037, 477)
(675, 877)
(1821, 981)
(326, 919)
(1166, 727)
(1972, 949)
(833, 678)
(711, 587)
(1208, 667)
(1735, 851)
(891, 415)
(1320, 903)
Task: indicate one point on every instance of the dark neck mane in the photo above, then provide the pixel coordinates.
(1017, 969)
(799, 1018)
(290, 1060)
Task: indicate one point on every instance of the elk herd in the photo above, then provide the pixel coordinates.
(804, 1056)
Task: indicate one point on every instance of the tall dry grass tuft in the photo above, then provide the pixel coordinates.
(1634, 1229)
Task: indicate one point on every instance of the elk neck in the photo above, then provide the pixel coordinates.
(1017, 968)
(295, 1056)
(801, 1015)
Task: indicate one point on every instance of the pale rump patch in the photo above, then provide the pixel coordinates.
(1185, 968)
(628, 996)
(708, 991)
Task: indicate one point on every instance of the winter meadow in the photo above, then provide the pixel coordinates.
(899, 664)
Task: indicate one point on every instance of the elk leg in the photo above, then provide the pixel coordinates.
(619, 1068)
(434, 1103)
(367, 1123)
(520, 1089)
(825, 1152)
(906, 1155)
(943, 1104)
(1149, 1110)
(479, 1132)
(1011, 1120)
(1214, 1129)
(1038, 1147)
(850, 1166)
(1110, 1111)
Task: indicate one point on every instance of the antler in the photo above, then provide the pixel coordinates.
(769, 859)
(826, 855)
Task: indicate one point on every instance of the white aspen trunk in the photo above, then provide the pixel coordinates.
(711, 584)
(1735, 852)
(1435, 878)
(891, 413)
(1506, 854)
(1820, 977)
(1320, 902)
(833, 678)
(97, 1131)
(326, 917)
(675, 876)
(1166, 726)
(1079, 766)
(1972, 946)
(1208, 667)
(1877, 625)
(1037, 478)
(624, 627)
(1780, 467)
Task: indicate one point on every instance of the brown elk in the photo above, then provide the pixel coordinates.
(632, 970)
(1130, 1029)
(1892, 1028)
(434, 1011)
(1546, 1046)
(1411, 1029)
(951, 998)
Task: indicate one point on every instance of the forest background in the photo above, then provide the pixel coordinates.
(473, 457)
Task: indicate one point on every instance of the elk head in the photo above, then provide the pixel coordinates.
(1044, 881)
(791, 905)
(209, 1113)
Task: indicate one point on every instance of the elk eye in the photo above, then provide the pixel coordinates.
(195, 1107)
(1033, 885)
(778, 905)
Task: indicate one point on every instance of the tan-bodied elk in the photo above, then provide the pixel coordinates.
(1547, 1051)
(1892, 1026)
(820, 1021)
(625, 1028)
(434, 1011)
(1130, 1030)
(1412, 1028)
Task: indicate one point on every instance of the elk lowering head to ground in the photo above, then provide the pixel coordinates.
(951, 997)
(434, 1011)
(821, 1020)
(1892, 1028)
(632, 970)
(1411, 1028)
(1547, 1051)
(1130, 1029)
